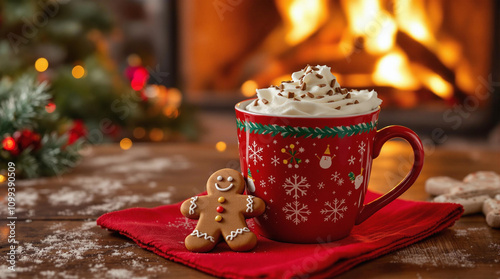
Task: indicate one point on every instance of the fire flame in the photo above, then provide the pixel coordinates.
(379, 24)
(302, 18)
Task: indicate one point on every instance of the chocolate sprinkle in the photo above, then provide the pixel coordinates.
(282, 86)
(320, 97)
(322, 85)
(329, 93)
(315, 68)
(279, 94)
(344, 91)
(356, 102)
(287, 81)
(338, 108)
(291, 95)
(319, 76)
(338, 90)
(303, 86)
(302, 77)
(302, 96)
(295, 99)
(332, 101)
(349, 104)
(256, 103)
(348, 96)
(297, 87)
(310, 95)
(332, 83)
(265, 101)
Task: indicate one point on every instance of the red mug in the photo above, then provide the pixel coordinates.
(313, 172)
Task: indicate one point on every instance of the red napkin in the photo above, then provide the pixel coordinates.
(401, 223)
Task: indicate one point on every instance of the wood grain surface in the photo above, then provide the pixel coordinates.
(59, 239)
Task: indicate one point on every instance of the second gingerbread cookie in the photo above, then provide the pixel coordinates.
(222, 214)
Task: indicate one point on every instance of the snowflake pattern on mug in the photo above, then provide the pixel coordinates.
(296, 212)
(255, 153)
(295, 185)
(334, 210)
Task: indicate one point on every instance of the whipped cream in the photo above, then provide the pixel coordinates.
(313, 91)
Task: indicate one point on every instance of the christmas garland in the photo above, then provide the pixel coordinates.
(30, 134)
(289, 131)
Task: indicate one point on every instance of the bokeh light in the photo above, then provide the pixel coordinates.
(125, 144)
(78, 71)
(8, 143)
(139, 132)
(3, 178)
(156, 134)
(50, 107)
(221, 146)
(134, 60)
(41, 64)
(248, 88)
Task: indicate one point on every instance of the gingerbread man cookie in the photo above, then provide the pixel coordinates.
(222, 214)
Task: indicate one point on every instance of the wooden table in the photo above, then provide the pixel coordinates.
(56, 216)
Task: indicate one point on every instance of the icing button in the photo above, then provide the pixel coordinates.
(220, 209)
(218, 218)
(221, 199)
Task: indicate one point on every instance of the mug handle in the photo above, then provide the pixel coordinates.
(382, 137)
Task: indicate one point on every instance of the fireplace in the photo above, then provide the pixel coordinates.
(426, 59)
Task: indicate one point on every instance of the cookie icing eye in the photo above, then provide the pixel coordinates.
(230, 179)
(219, 178)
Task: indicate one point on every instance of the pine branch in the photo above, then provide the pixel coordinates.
(21, 103)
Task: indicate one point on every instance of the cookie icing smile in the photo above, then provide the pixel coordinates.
(223, 189)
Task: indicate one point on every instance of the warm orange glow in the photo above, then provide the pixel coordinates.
(248, 88)
(412, 19)
(221, 146)
(156, 134)
(174, 96)
(393, 70)
(449, 52)
(438, 85)
(465, 79)
(367, 20)
(134, 60)
(3, 178)
(139, 132)
(406, 99)
(277, 81)
(41, 64)
(78, 72)
(302, 18)
(125, 144)
(170, 112)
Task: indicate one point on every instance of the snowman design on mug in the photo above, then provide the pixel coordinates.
(325, 161)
